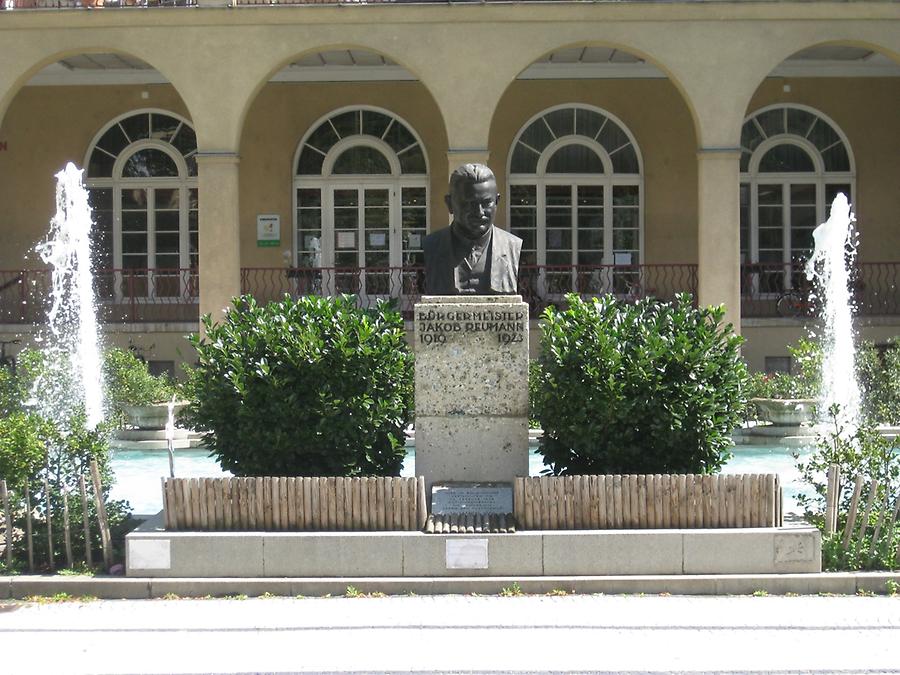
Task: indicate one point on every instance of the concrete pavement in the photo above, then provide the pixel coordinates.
(428, 634)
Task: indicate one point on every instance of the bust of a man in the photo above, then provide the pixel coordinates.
(472, 256)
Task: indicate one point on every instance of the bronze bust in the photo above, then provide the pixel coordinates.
(472, 256)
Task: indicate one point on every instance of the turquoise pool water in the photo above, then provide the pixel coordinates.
(138, 472)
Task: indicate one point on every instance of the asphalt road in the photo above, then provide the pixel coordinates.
(456, 634)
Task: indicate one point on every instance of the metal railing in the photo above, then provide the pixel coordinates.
(124, 295)
(91, 4)
(782, 290)
(171, 295)
(539, 285)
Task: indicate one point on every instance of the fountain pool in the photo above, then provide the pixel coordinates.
(138, 472)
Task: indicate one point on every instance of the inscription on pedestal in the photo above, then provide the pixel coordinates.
(483, 498)
(439, 326)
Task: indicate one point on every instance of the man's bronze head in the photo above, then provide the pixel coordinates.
(473, 199)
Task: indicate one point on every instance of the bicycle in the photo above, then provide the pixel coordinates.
(8, 362)
(794, 303)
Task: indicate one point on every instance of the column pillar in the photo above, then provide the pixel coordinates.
(220, 253)
(718, 231)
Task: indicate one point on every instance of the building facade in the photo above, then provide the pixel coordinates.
(641, 148)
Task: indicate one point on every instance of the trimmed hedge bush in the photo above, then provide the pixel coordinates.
(308, 387)
(638, 388)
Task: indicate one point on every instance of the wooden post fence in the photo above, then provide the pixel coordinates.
(647, 501)
(295, 503)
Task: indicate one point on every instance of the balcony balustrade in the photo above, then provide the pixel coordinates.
(782, 290)
(171, 295)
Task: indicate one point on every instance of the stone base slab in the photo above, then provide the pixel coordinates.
(153, 552)
(478, 449)
(837, 583)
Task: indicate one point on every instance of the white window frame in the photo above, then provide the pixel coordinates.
(608, 179)
(327, 182)
(183, 182)
(818, 177)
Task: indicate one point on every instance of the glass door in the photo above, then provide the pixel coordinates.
(363, 242)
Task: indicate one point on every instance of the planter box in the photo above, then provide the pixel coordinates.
(787, 411)
(152, 416)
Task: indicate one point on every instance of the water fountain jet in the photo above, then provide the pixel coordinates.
(829, 266)
(73, 377)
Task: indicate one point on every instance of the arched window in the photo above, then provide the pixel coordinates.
(794, 161)
(360, 204)
(575, 200)
(142, 178)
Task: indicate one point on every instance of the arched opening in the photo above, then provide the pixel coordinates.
(824, 121)
(364, 139)
(54, 118)
(596, 145)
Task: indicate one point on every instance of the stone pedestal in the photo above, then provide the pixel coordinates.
(471, 388)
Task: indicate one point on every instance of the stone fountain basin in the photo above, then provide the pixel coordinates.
(153, 415)
(787, 411)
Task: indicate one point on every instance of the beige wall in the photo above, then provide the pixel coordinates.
(47, 126)
(867, 110)
(44, 128)
(771, 337)
(277, 121)
(660, 122)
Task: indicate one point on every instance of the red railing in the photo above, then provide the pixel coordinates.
(779, 289)
(539, 285)
(124, 295)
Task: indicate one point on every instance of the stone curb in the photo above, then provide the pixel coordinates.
(120, 588)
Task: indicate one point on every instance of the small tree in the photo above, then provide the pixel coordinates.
(306, 387)
(638, 388)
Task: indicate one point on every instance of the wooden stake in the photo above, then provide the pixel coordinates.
(830, 490)
(4, 497)
(880, 524)
(421, 503)
(870, 502)
(49, 523)
(851, 515)
(105, 539)
(67, 534)
(86, 522)
(29, 535)
(890, 534)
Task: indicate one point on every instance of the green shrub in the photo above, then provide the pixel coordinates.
(638, 388)
(856, 452)
(21, 447)
(878, 372)
(129, 382)
(314, 386)
(34, 448)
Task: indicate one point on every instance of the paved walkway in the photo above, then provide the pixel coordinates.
(456, 634)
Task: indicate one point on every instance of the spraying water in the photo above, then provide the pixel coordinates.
(829, 266)
(74, 380)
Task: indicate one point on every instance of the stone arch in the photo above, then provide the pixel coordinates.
(630, 48)
(284, 60)
(29, 69)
